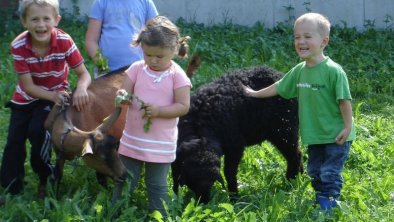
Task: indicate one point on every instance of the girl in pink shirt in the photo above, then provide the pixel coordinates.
(165, 89)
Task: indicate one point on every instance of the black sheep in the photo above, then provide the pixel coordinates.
(222, 122)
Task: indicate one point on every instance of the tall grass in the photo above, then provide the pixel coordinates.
(265, 195)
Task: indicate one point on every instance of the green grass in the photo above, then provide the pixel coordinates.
(368, 192)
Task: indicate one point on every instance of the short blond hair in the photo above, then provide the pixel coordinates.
(323, 24)
(26, 4)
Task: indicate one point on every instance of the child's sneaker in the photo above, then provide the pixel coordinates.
(326, 203)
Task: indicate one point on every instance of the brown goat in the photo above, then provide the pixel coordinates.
(75, 134)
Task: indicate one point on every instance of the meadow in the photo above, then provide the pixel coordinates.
(265, 195)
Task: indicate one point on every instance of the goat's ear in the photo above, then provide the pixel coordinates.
(87, 148)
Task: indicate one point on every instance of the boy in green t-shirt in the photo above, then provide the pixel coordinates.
(325, 110)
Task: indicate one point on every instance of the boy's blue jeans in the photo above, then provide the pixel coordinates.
(325, 166)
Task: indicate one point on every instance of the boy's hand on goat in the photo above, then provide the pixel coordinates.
(80, 99)
(60, 97)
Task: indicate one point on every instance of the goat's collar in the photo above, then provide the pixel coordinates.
(63, 107)
(63, 138)
(62, 112)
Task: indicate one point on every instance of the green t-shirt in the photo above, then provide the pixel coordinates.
(318, 90)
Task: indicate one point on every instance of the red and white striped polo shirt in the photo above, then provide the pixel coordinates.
(49, 72)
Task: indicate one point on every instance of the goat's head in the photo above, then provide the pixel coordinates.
(199, 167)
(98, 149)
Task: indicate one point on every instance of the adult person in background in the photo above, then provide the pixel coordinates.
(112, 26)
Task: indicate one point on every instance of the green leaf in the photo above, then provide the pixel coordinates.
(101, 62)
(120, 98)
(228, 207)
(157, 216)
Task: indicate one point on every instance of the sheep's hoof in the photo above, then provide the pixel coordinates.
(234, 197)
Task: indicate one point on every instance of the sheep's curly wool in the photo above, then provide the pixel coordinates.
(222, 122)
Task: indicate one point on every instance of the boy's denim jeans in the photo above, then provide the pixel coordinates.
(325, 166)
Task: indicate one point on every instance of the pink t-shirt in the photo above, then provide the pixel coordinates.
(158, 145)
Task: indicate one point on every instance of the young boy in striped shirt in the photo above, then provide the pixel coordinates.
(42, 56)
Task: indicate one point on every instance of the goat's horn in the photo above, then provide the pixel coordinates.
(107, 122)
(110, 120)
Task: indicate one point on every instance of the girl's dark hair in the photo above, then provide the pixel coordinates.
(160, 31)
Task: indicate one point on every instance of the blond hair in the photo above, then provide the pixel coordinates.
(27, 3)
(322, 22)
(160, 31)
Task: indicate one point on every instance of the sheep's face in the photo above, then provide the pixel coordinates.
(200, 168)
(200, 180)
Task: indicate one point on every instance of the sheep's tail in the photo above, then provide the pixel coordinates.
(193, 65)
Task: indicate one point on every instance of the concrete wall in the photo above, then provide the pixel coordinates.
(353, 13)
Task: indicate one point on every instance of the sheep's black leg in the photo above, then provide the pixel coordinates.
(289, 148)
(175, 176)
(231, 162)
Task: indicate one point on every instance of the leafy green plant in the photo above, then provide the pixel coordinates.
(290, 11)
(101, 63)
(119, 99)
(307, 6)
(388, 20)
(369, 23)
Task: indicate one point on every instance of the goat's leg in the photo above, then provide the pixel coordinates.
(120, 173)
(117, 193)
(58, 173)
